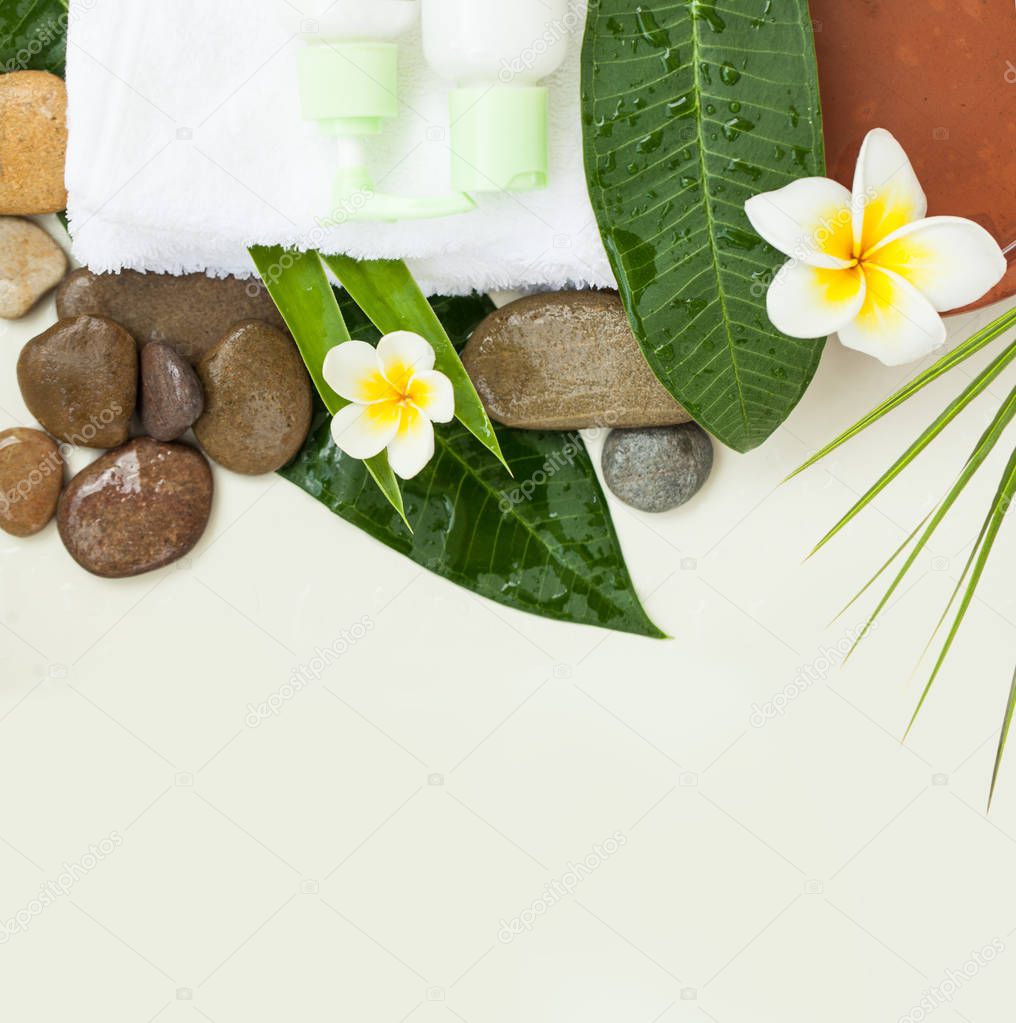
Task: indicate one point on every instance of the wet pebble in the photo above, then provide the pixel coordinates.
(258, 400)
(658, 469)
(190, 313)
(171, 395)
(79, 380)
(566, 361)
(31, 475)
(136, 509)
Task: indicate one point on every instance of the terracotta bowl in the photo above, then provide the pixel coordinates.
(941, 76)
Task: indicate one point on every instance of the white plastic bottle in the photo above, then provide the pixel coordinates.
(320, 20)
(497, 51)
(349, 85)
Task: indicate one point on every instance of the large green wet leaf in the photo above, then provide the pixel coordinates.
(33, 35)
(543, 542)
(690, 108)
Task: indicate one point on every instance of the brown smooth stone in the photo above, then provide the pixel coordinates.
(31, 264)
(258, 400)
(171, 394)
(136, 509)
(79, 379)
(566, 361)
(33, 142)
(31, 475)
(944, 84)
(191, 313)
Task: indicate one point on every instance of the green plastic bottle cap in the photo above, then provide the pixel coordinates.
(499, 138)
(350, 88)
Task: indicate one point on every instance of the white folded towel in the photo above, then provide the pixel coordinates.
(187, 145)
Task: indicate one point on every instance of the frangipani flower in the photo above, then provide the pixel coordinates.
(396, 396)
(870, 266)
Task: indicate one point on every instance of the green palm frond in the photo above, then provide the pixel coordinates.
(918, 540)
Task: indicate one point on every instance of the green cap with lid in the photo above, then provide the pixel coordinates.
(499, 138)
(350, 88)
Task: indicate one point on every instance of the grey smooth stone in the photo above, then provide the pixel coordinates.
(657, 469)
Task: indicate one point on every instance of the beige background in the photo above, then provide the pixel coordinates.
(744, 856)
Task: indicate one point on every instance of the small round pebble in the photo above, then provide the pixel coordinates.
(171, 395)
(658, 469)
(136, 509)
(80, 379)
(258, 400)
(31, 264)
(31, 475)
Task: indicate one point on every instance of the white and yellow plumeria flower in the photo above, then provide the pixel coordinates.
(870, 266)
(396, 396)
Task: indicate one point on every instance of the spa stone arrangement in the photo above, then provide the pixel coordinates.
(720, 188)
(137, 361)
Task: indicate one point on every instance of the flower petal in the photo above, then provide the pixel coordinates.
(363, 431)
(403, 354)
(950, 260)
(887, 194)
(413, 445)
(809, 219)
(811, 301)
(353, 371)
(896, 324)
(432, 393)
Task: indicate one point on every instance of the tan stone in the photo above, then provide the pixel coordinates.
(566, 361)
(33, 142)
(31, 475)
(31, 264)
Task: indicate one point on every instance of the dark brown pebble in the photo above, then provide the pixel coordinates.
(190, 313)
(171, 394)
(258, 400)
(31, 475)
(136, 509)
(79, 379)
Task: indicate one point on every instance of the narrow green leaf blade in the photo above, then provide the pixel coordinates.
(689, 109)
(974, 389)
(1003, 738)
(386, 291)
(983, 448)
(545, 545)
(33, 35)
(950, 360)
(300, 288)
(976, 565)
